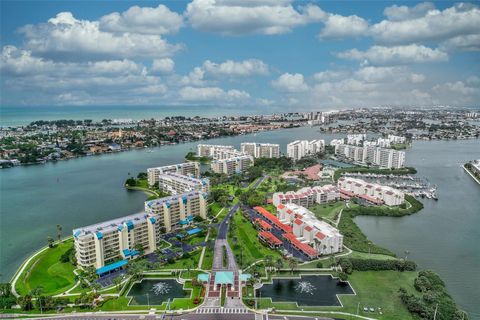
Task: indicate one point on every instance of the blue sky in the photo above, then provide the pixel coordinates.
(317, 54)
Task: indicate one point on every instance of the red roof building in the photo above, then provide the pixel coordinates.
(269, 239)
(305, 248)
(263, 224)
(272, 219)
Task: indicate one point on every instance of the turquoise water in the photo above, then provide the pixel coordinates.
(78, 192)
(14, 116)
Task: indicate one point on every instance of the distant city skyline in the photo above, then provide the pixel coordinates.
(261, 53)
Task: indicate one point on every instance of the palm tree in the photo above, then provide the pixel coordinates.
(292, 264)
(95, 286)
(279, 264)
(50, 241)
(59, 232)
(269, 261)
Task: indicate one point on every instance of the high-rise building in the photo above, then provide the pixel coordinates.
(260, 150)
(372, 155)
(108, 245)
(178, 210)
(301, 148)
(187, 169)
(174, 183)
(216, 152)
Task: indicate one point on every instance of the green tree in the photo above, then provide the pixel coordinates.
(59, 232)
(292, 264)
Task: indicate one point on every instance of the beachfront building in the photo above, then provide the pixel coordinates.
(307, 229)
(307, 196)
(234, 165)
(370, 192)
(302, 148)
(260, 150)
(187, 169)
(371, 154)
(174, 183)
(109, 245)
(179, 210)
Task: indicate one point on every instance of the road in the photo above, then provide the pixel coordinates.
(191, 316)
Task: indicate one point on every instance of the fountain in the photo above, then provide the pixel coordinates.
(305, 287)
(308, 290)
(156, 291)
(160, 288)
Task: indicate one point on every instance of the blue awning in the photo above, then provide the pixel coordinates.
(152, 220)
(130, 225)
(128, 252)
(99, 235)
(183, 222)
(194, 231)
(111, 267)
(77, 233)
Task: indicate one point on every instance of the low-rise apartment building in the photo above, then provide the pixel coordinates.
(260, 150)
(371, 192)
(309, 230)
(234, 165)
(175, 183)
(187, 169)
(307, 196)
(178, 210)
(301, 148)
(115, 241)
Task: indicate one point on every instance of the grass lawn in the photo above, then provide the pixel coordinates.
(248, 245)
(270, 207)
(328, 210)
(215, 207)
(207, 259)
(47, 271)
(184, 263)
(376, 289)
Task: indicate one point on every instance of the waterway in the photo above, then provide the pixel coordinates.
(78, 192)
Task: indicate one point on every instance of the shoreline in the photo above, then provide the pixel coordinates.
(471, 174)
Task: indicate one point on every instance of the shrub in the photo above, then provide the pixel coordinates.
(376, 265)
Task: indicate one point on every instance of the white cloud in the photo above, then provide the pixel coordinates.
(380, 55)
(292, 83)
(211, 94)
(66, 38)
(249, 17)
(401, 13)
(433, 25)
(195, 77)
(145, 20)
(469, 42)
(329, 75)
(337, 26)
(233, 68)
(164, 66)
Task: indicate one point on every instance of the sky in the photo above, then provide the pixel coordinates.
(257, 53)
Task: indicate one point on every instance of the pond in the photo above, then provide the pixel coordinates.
(308, 290)
(156, 291)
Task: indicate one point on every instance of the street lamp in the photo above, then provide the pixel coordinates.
(148, 301)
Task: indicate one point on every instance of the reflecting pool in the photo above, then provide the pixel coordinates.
(156, 291)
(308, 290)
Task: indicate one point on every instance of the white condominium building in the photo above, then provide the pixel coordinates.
(396, 139)
(371, 192)
(356, 139)
(233, 165)
(260, 150)
(175, 183)
(323, 237)
(217, 152)
(301, 148)
(370, 154)
(307, 197)
(104, 244)
(177, 210)
(187, 169)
